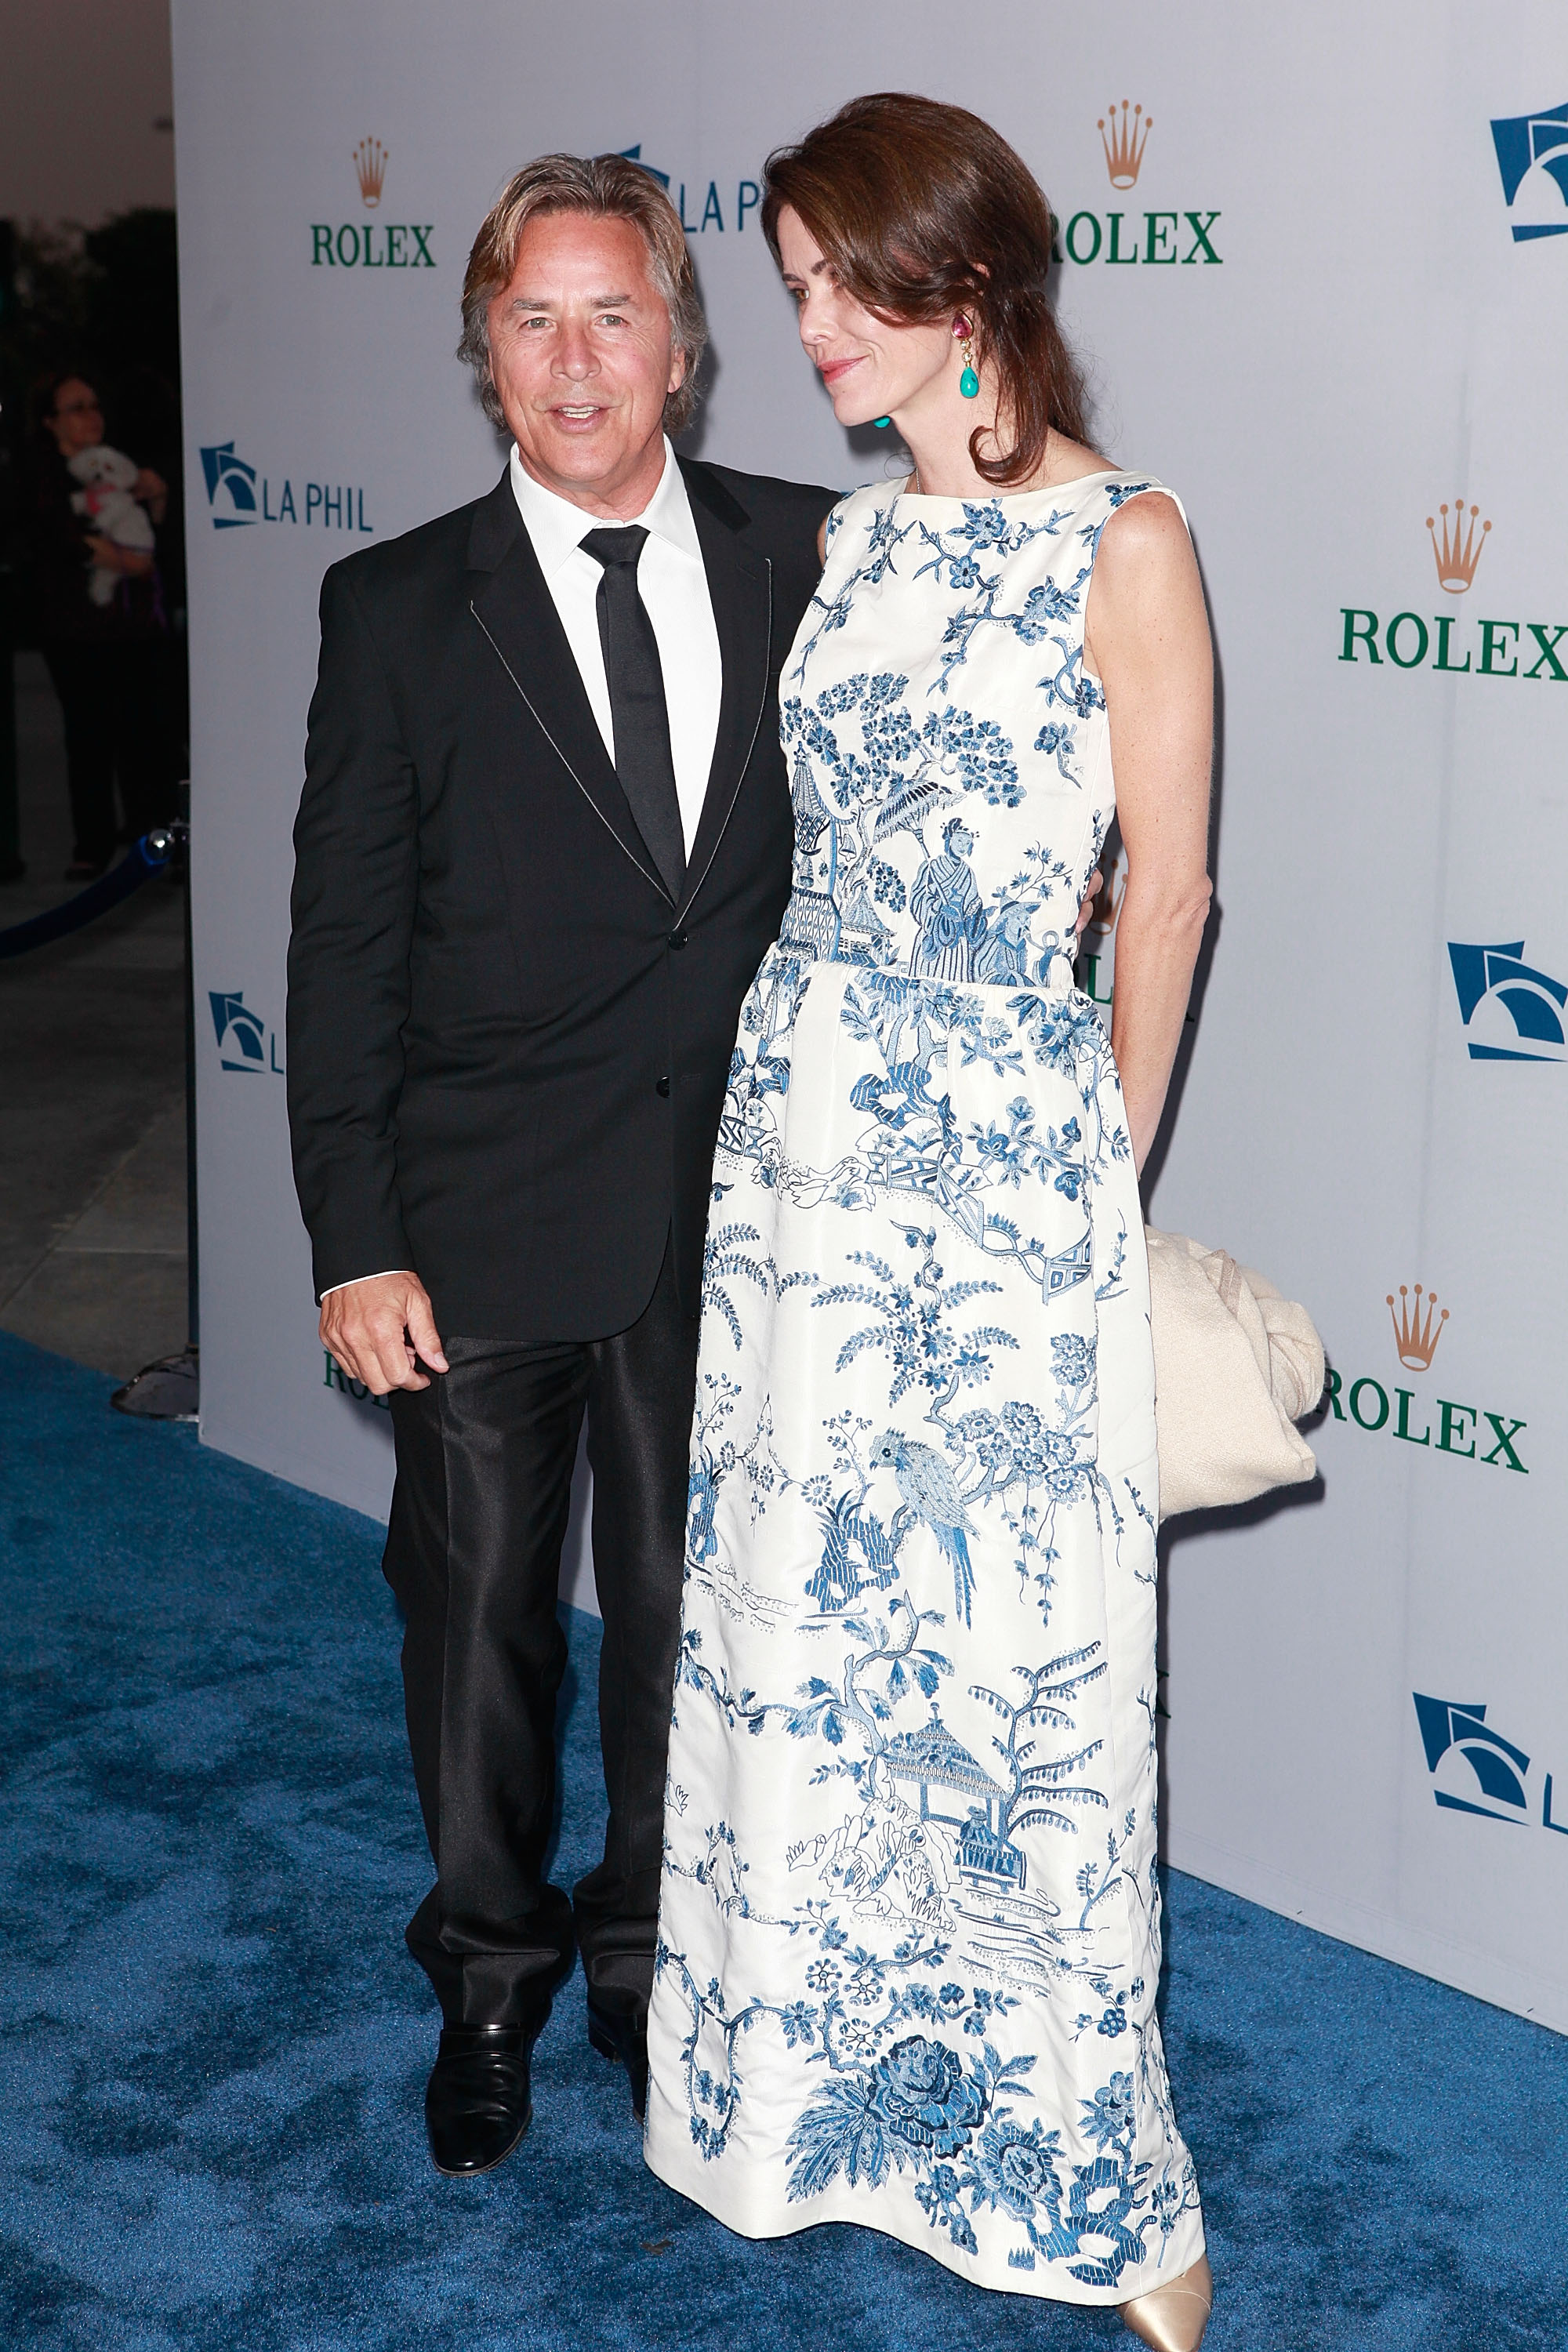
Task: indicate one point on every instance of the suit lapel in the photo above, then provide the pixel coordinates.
(512, 605)
(741, 587)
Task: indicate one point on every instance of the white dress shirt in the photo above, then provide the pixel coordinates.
(673, 582)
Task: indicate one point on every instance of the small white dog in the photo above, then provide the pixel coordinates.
(108, 477)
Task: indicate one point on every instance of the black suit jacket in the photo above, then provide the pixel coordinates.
(508, 1047)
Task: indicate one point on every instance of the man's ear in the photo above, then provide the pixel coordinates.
(677, 371)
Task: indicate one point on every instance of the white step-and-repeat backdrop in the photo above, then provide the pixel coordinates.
(1318, 262)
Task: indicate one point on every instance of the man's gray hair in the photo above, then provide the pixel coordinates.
(606, 187)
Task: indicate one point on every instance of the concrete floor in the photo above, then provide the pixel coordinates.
(93, 1142)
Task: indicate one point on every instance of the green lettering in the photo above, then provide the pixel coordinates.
(1390, 638)
(1505, 1438)
(424, 259)
(1377, 1389)
(1402, 1426)
(1445, 631)
(1083, 259)
(1549, 642)
(1331, 1390)
(1091, 992)
(1452, 1428)
(1056, 241)
(396, 257)
(1494, 640)
(1200, 229)
(1113, 250)
(352, 255)
(1156, 238)
(322, 245)
(1354, 637)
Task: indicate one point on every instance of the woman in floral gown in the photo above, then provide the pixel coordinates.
(909, 1924)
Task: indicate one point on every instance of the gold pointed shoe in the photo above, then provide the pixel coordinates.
(1172, 2318)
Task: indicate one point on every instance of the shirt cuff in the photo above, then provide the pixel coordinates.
(333, 1288)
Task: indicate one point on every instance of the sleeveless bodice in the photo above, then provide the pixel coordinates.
(949, 753)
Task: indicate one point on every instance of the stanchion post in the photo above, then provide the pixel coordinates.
(11, 863)
(170, 1389)
(193, 1260)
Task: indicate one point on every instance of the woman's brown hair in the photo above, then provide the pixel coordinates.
(923, 210)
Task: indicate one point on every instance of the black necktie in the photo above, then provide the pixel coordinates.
(638, 714)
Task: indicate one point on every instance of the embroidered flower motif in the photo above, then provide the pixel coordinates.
(924, 2096)
(1016, 2168)
(1072, 1357)
(1108, 2117)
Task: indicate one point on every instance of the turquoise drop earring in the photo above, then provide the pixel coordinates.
(881, 423)
(968, 383)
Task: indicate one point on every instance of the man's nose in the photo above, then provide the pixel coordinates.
(574, 353)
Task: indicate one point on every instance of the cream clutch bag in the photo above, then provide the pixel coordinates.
(1235, 1367)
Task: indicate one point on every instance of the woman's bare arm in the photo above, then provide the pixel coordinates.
(1147, 636)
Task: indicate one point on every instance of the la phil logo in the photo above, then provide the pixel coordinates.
(1495, 1782)
(709, 207)
(238, 494)
(1532, 158)
(1125, 239)
(245, 1042)
(1443, 1425)
(372, 244)
(1527, 650)
(1511, 1012)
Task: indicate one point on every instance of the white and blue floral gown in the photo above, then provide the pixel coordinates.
(909, 1938)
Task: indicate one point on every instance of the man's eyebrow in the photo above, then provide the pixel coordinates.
(599, 303)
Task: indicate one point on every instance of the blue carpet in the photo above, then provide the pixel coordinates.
(214, 2048)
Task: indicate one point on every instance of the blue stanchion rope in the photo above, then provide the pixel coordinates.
(147, 856)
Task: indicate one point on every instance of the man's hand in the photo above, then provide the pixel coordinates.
(379, 1330)
(1086, 912)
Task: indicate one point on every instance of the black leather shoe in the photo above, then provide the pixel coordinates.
(476, 2102)
(617, 2028)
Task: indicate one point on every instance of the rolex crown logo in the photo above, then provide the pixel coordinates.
(1416, 1335)
(370, 167)
(1458, 550)
(1125, 143)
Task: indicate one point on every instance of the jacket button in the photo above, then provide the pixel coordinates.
(677, 939)
(662, 1086)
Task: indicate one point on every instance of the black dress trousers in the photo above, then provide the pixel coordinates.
(485, 1457)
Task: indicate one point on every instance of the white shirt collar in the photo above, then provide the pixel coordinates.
(557, 528)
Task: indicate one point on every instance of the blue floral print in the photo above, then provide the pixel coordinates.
(910, 1921)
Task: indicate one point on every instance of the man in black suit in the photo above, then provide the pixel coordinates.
(544, 842)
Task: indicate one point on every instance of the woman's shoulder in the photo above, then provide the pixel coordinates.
(1149, 506)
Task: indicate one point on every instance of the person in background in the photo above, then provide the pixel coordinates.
(104, 658)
